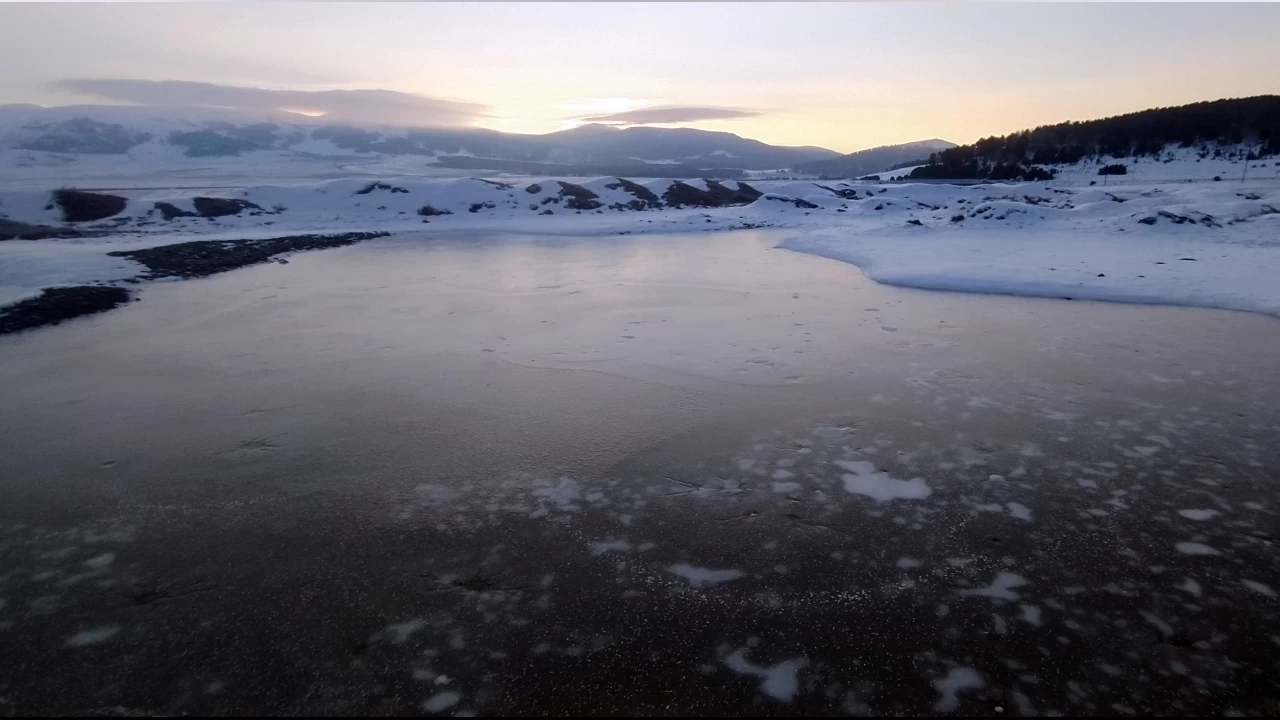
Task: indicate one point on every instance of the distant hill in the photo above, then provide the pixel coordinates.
(684, 144)
(33, 136)
(874, 160)
(1247, 126)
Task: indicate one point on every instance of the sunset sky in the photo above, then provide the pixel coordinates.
(844, 76)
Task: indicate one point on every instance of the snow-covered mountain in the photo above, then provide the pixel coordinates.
(84, 142)
(874, 160)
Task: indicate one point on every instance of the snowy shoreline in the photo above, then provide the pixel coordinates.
(1209, 244)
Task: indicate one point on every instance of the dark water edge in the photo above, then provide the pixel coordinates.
(651, 475)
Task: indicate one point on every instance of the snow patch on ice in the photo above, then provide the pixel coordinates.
(864, 479)
(603, 546)
(1030, 613)
(1020, 511)
(1191, 586)
(441, 701)
(1258, 587)
(1195, 548)
(1001, 588)
(92, 636)
(101, 562)
(699, 577)
(780, 682)
(564, 496)
(400, 632)
(956, 681)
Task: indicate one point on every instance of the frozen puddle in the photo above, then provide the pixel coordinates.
(864, 479)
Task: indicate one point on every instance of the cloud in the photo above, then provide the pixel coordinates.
(665, 115)
(364, 106)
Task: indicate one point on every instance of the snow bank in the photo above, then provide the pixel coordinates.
(1066, 264)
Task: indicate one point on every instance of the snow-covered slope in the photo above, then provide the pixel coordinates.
(1173, 164)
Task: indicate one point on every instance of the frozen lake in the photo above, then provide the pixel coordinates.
(635, 475)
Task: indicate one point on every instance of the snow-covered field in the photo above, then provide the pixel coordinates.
(1214, 244)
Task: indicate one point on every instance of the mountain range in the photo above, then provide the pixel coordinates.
(33, 135)
(106, 146)
(874, 160)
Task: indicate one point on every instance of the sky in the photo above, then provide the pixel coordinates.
(845, 76)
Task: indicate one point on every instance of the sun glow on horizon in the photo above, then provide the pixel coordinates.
(834, 75)
(305, 113)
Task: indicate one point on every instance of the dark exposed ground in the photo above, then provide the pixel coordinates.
(663, 476)
(55, 305)
(207, 207)
(12, 230)
(578, 197)
(219, 207)
(169, 211)
(647, 197)
(81, 206)
(716, 195)
(203, 258)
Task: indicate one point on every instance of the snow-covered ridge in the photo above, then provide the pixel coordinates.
(1214, 244)
(471, 202)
